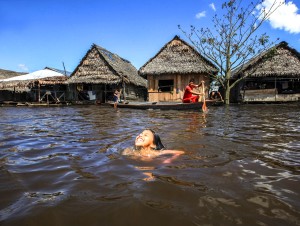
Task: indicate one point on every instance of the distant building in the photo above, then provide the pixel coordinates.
(169, 71)
(272, 76)
(45, 85)
(7, 74)
(100, 72)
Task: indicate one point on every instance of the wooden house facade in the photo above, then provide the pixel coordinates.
(100, 72)
(169, 71)
(273, 76)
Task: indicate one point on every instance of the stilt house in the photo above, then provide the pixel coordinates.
(100, 72)
(45, 85)
(273, 76)
(5, 93)
(169, 71)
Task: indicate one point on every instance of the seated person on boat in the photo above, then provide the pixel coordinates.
(215, 95)
(190, 96)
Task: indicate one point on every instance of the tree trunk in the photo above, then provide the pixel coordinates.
(227, 97)
(227, 93)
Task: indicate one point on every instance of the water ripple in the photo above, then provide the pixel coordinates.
(61, 166)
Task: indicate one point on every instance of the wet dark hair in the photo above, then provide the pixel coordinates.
(157, 141)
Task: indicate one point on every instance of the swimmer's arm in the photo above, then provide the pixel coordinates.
(175, 154)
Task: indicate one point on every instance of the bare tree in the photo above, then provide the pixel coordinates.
(234, 39)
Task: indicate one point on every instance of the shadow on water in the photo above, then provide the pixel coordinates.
(62, 166)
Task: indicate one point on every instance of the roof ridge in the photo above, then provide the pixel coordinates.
(176, 37)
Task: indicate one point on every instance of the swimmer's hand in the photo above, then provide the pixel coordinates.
(175, 154)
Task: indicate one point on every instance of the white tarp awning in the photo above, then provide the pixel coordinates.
(45, 73)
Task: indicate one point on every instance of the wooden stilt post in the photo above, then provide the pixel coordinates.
(39, 92)
(275, 88)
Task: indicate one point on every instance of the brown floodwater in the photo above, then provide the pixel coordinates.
(62, 166)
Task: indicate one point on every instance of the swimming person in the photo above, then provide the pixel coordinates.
(148, 145)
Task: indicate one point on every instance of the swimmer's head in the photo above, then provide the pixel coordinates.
(148, 138)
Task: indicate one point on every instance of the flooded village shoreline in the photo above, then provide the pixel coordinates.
(162, 79)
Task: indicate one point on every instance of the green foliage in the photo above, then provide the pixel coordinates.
(264, 39)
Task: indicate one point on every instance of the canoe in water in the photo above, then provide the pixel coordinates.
(167, 105)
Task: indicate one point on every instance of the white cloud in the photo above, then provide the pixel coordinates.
(286, 17)
(201, 14)
(23, 67)
(212, 6)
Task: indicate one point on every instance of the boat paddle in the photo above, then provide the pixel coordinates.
(204, 107)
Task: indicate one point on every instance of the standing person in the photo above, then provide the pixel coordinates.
(116, 98)
(189, 95)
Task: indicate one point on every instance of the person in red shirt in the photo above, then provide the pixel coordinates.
(189, 95)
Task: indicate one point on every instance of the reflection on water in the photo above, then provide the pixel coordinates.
(62, 166)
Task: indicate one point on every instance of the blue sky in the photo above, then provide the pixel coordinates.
(36, 34)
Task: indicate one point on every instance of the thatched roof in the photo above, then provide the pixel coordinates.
(100, 66)
(177, 56)
(278, 61)
(24, 82)
(7, 74)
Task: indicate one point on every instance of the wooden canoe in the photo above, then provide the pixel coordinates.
(167, 105)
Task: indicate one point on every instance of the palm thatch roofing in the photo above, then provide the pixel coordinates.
(7, 73)
(100, 66)
(278, 61)
(25, 82)
(177, 57)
